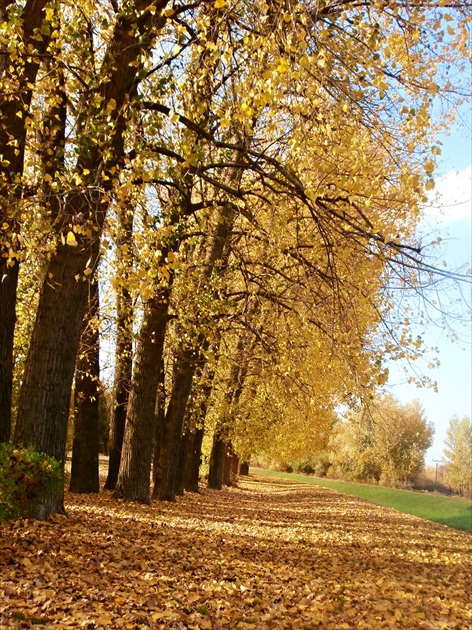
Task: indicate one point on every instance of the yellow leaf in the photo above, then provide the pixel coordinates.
(219, 4)
(71, 240)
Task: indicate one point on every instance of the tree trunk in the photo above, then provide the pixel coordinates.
(160, 430)
(84, 473)
(135, 469)
(14, 107)
(186, 443)
(234, 469)
(8, 287)
(194, 461)
(203, 396)
(45, 393)
(227, 468)
(184, 370)
(244, 469)
(123, 351)
(217, 463)
(228, 465)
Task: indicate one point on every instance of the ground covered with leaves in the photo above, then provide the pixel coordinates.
(268, 554)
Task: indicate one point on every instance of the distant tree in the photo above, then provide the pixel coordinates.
(386, 441)
(458, 455)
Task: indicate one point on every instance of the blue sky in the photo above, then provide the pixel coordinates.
(450, 213)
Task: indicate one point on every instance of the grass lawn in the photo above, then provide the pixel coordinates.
(449, 511)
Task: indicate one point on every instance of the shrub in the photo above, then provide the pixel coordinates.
(316, 464)
(26, 479)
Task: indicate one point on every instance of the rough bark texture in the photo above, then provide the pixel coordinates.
(44, 403)
(186, 442)
(229, 464)
(217, 463)
(203, 396)
(8, 286)
(184, 370)
(160, 430)
(12, 126)
(84, 472)
(234, 469)
(45, 395)
(194, 461)
(135, 470)
(123, 356)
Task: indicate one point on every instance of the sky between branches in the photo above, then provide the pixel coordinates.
(450, 215)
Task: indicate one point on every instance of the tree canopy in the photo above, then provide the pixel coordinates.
(457, 455)
(246, 179)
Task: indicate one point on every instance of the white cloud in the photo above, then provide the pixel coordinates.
(451, 199)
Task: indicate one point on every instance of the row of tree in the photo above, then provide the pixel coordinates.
(245, 180)
(383, 441)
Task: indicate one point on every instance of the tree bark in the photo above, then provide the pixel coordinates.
(135, 469)
(227, 466)
(160, 429)
(195, 452)
(13, 113)
(184, 370)
(194, 461)
(244, 469)
(186, 443)
(217, 463)
(45, 393)
(84, 473)
(234, 469)
(8, 288)
(123, 352)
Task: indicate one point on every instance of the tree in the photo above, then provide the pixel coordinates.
(45, 393)
(18, 73)
(386, 441)
(123, 343)
(84, 470)
(457, 455)
(308, 130)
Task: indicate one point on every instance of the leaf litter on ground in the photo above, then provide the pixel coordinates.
(267, 554)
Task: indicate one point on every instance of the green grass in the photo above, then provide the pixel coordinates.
(453, 512)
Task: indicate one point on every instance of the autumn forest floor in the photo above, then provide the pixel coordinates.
(271, 553)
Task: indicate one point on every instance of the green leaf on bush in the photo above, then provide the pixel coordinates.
(26, 478)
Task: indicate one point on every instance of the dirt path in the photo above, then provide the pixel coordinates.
(269, 554)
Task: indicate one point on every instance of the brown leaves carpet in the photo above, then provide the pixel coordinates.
(268, 554)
